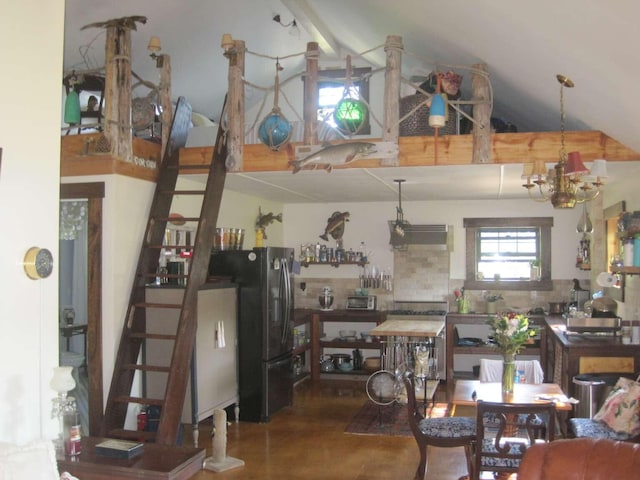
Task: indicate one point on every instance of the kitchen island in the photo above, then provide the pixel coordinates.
(569, 354)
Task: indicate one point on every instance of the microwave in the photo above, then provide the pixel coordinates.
(361, 302)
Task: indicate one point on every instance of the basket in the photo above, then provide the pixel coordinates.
(417, 124)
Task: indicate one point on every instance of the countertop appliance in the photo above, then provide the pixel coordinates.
(265, 326)
(425, 310)
(361, 302)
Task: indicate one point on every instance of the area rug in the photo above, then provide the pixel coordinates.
(390, 420)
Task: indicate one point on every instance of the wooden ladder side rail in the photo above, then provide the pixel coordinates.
(135, 320)
(179, 373)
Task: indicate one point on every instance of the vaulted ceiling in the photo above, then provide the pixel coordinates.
(524, 45)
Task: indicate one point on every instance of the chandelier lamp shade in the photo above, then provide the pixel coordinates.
(569, 182)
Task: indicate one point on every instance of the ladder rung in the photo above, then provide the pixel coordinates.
(140, 400)
(182, 192)
(158, 305)
(154, 336)
(146, 368)
(185, 219)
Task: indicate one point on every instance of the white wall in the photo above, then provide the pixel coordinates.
(368, 222)
(31, 32)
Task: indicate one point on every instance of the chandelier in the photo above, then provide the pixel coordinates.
(569, 181)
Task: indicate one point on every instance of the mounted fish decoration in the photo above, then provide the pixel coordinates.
(332, 155)
(335, 226)
(263, 221)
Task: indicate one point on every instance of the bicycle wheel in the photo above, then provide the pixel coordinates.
(381, 387)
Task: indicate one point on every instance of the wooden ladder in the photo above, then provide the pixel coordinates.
(130, 358)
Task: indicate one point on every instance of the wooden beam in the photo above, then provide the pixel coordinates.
(481, 114)
(392, 76)
(311, 95)
(235, 114)
(452, 150)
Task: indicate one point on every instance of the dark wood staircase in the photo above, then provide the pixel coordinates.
(130, 360)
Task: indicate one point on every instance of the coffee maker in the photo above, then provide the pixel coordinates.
(577, 296)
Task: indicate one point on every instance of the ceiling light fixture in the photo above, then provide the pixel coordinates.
(398, 228)
(569, 182)
(295, 31)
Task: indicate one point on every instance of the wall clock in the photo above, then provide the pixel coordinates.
(38, 263)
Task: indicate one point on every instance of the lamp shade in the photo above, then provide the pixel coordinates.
(575, 165)
(437, 111)
(154, 44)
(72, 108)
(599, 168)
(62, 380)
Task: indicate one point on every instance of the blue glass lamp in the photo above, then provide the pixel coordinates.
(275, 130)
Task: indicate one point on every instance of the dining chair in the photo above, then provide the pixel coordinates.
(491, 370)
(437, 432)
(505, 431)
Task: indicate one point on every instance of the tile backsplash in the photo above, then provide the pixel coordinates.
(422, 273)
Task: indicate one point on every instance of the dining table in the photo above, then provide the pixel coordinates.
(468, 392)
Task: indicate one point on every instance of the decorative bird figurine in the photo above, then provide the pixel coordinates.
(123, 22)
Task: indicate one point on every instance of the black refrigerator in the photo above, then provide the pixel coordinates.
(265, 326)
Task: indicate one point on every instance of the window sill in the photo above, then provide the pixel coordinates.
(542, 285)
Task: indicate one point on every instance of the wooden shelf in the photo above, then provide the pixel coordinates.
(332, 264)
(350, 344)
(626, 270)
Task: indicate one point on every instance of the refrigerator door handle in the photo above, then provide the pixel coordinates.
(286, 304)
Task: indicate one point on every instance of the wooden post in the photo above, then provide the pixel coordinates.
(481, 115)
(311, 95)
(390, 124)
(118, 90)
(164, 91)
(235, 113)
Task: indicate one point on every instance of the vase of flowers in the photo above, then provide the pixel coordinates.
(511, 331)
(461, 301)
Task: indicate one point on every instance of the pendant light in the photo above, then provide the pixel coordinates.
(72, 108)
(275, 130)
(584, 223)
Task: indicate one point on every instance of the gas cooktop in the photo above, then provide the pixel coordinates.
(438, 313)
(416, 307)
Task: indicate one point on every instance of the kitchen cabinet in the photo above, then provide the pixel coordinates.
(315, 320)
(215, 355)
(574, 353)
(538, 349)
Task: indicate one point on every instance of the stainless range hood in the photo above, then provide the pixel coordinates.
(418, 235)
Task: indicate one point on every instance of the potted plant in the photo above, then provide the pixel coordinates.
(491, 299)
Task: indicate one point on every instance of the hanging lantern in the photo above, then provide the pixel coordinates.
(437, 111)
(72, 108)
(349, 115)
(275, 130)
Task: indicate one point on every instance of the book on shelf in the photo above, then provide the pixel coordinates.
(115, 448)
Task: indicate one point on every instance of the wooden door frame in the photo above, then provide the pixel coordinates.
(93, 193)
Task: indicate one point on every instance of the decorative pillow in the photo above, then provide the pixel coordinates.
(621, 409)
(34, 461)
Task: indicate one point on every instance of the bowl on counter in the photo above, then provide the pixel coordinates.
(348, 335)
(371, 364)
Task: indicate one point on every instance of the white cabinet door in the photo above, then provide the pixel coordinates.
(216, 366)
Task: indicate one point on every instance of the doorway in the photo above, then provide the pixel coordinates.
(87, 250)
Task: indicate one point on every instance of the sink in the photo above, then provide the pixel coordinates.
(593, 324)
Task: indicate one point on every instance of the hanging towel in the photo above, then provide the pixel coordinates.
(220, 341)
(491, 370)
